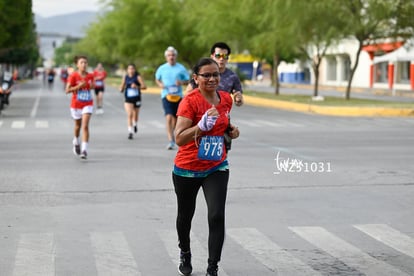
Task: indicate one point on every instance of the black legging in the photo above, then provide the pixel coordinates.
(215, 192)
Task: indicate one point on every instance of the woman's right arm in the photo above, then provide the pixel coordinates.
(185, 132)
(70, 88)
(122, 87)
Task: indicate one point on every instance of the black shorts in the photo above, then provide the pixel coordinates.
(170, 108)
(99, 89)
(136, 101)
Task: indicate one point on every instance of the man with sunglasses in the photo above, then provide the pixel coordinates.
(229, 81)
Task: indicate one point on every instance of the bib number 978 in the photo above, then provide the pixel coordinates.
(211, 148)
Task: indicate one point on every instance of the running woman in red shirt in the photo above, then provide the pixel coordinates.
(80, 84)
(201, 161)
(100, 76)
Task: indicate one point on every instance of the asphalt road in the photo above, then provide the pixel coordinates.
(309, 195)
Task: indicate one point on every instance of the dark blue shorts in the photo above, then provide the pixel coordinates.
(169, 107)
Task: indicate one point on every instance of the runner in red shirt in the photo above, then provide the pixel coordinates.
(201, 161)
(80, 84)
(100, 76)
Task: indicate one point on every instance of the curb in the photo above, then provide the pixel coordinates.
(315, 109)
(330, 110)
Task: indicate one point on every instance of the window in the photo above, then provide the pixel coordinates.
(331, 68)
(346, 67)
(403, 72)
(381, 72)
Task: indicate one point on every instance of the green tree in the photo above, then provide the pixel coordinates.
(317, 27)
(18, 40)
(64, 54)
(369, 21)
(271, 40)
(139, 31)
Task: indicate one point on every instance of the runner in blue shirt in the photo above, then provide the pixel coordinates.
(171, 76)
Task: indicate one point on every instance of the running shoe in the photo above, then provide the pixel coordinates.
(84, 155)
(212, 270)
(130, 136)
(136, 128)
(171, 146)
(76, 149)
(185, 268)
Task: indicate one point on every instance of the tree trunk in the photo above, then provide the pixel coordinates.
(353, 70)
(315, 67)
(276, 61)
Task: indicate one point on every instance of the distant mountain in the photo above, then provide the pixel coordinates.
(72, 24)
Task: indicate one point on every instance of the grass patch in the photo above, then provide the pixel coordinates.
(330, 101)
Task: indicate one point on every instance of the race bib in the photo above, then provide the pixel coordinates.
(132, 92)
(211, 148)
(99, 83)
(5, 86)
(84, 96)
(50, 77)
(173, 90)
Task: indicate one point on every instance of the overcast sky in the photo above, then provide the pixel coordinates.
(48, 8)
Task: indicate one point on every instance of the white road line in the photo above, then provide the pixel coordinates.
(248, 123)
(389, 236)
(18, 124)
(36, 104)
(199, 254)
(42, 124)
(268, 123)
(345, 252)
(112, 254)
(157, 124)
(270, 254)
(35, 255)
(1, 123)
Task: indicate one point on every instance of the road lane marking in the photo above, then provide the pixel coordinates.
(269, 253)
(36, 104)
(1, 123)
(268, 123)
(35, 255)
(112, 254)
(42, 124)
(389, 236)
(199, 253)
(345, 252)
(157, 124)
(248, 123)
(18, 124)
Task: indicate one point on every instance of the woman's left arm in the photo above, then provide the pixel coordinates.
(141, 82)
(235, 132)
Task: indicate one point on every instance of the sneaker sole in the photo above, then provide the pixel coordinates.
(179, 272)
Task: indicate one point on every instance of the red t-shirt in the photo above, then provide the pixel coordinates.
(82, 97)
(99, 78)
(193, 107)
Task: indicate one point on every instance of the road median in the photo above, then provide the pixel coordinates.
(352, 111)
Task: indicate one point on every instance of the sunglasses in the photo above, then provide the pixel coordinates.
(219, 55)
(208, 76)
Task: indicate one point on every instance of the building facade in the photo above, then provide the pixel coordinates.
(387, 66)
